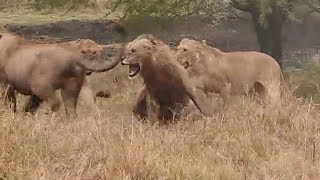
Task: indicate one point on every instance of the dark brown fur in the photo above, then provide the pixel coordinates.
(166, 89)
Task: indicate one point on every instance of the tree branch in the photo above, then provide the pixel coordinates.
(312, 6)
(242, 7)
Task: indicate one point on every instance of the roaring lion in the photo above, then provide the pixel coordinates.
(231, 73)
(39, 70)
(166, 87)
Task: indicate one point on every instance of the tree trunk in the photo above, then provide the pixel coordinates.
(269, 34)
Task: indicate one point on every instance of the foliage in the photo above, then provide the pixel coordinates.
(292, 9)
(263, 8)
(47, 4)
(170, 8)
(313, 4)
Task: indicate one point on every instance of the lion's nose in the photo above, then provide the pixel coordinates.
(122, 63)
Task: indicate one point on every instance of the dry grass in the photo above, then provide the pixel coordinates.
(105, 142)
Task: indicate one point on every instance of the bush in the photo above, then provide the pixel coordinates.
(307, 79)
(46, 4)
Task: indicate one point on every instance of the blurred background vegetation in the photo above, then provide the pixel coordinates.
(268, 16)
(156, 16)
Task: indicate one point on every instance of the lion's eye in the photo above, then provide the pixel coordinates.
(185, 50)
(94, 52)
(133, 50)
(83, 52)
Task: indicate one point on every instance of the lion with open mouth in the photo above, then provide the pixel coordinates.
(166, 89)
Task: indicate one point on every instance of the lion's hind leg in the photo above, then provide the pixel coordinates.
(267, 93)
(199, 99)
(153, 108)
(273, 96)
(259, 91)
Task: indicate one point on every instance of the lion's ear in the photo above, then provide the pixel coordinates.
(78, 40)
(153, 42)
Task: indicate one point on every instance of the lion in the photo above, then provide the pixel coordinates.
(230, 73)
(166, 90)
(38, 70)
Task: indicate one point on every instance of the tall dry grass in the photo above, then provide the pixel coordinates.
(247, 141)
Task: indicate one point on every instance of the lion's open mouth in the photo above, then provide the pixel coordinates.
(134, 69)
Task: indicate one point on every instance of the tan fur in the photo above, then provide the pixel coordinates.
(230, 73)
(41, 69)
(166, 87)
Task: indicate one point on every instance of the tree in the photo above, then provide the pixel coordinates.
(268, 17)
(169, 8)
(314, 5)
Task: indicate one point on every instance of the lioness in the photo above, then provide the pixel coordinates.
(230, 73)
(41, 69)
(166, 87)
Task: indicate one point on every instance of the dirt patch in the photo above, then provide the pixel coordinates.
(67, 30)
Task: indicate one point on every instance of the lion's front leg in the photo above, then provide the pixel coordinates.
(199, 84)
(199, 99)
(153, 108)
(140, 107)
